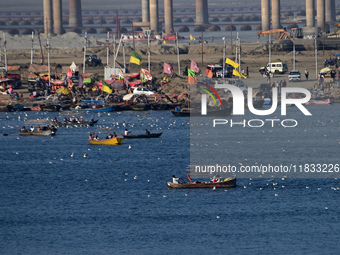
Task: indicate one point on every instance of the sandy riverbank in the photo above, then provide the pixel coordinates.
(68, 48)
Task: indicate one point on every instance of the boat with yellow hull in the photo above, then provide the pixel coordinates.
(113, 141)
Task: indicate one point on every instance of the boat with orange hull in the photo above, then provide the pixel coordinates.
(112, 141)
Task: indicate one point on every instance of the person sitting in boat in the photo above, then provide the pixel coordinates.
(126, 132)
(114, 135)
(109, 136)
(23, 128)
(90, 137)
(97, 138)
(32, 129)
(147, 132)
(175, 179)
(55, 120)
(39, 129)
(216, 178)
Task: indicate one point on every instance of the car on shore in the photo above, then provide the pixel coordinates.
(143, 90)
(294, 75)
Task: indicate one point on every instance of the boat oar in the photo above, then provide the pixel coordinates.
(189, 177)
(10, 133)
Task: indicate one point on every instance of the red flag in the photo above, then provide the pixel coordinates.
(210, 74)
(194, 67)
(69, 73)
(168, 68)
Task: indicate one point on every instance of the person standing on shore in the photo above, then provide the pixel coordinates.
(306, 73)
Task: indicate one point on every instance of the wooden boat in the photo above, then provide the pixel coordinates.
(226, 183)
(155, 135)
(97, 109)
(187, 112)
(77, 123)
(113, 141)
(140, 106)
(320, 101)
(50, 107)
(48, 132)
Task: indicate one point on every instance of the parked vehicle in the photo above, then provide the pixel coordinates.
(217, 71)
(143, 90)
(92, 60)
(294, 75)
(275, 67)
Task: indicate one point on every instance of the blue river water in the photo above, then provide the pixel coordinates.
(114, 199)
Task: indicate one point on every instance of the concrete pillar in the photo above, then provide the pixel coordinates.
(168, 16)
(310, 9)
(206, 11)
(48, 24)
(333, 7)
(265, 14)
(57, 17)
(320, 8)
(330, 10)
(276, 14)
(79, 14)
(145, 11)
(73, 14)
(154, 21)
(199, 12)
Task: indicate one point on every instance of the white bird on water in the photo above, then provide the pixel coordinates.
(129, 146)
(84, 155)
(72, 155)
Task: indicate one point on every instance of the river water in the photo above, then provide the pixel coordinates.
(114, 200)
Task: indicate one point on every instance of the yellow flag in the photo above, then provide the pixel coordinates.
(232, 63)
(192, 38)
(164, 42)
(237, 73)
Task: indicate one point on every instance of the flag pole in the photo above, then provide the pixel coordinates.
(84, 61)
(124, 54)
(223, 38)
(179, 63)
(202, 43)
(107, 49)
(114, 51)
(149, 52)
(48, 59)
(5, 49)
(32, 47)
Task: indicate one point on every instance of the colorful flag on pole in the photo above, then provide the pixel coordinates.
(87, 80)
(63, 90)
(194, 67)
(121, 75)
(69, 73)
(168, 68)
(145, 75)
(164, 42)
(210, 74)
(106, 87)
(135, 58)
(237, 73)
(192, 38)
(192, 79)
(232, 63)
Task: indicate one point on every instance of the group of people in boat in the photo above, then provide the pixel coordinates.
(95, 137)
(70, 120)
(177, 180)
(127, 132)
(40, 128)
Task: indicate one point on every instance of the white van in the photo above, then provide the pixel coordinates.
(276, 67)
